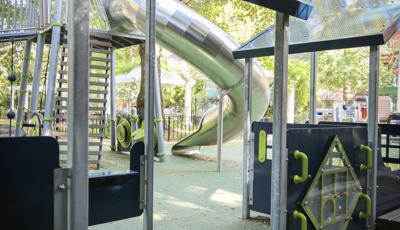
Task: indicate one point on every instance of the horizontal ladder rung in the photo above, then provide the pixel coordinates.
(91, 118)
(91, 100)
(65, 90)
(97, 83)
(98, 91)
(100, 109)
(59, 80)
(100, 67)
(64, 72)
(100, 43)
(99, 75)
(91, 126)
(100, 59)
(102, 51)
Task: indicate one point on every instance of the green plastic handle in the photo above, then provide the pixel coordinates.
(262, 146)
(367, 150)
(368, 205)
(304, 163)
(302, 218)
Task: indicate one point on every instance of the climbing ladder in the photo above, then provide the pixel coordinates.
(100, 72)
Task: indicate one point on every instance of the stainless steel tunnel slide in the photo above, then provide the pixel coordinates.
(207, 47)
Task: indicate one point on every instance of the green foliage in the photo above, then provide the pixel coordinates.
(127, 59)
(174, 96)
(127, 92)
(199, 88)
(344, 71)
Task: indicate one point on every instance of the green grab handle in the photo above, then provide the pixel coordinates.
(302, 218)
(368, 205)
(262, 146)
(367, 150)
(304, 171)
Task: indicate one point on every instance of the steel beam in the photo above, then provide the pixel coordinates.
(313, 85)
(150, 73)
(51, 81)
(373, 101)
(279, 150)
(248, 79)
(36, 75)
(23, 89)
(113, 98)
(78, 112)
(220, 130)
(158, 115)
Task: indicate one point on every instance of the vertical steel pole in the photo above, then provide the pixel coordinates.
(279, 150)
(158, 114)
(398, 84)
(36, 74)
(78, 112)
(51, 82)
(248, 79)
(113, 96)
(23, 89)
(150, 59)
(313, 85)
(373, 101)
(220, 130)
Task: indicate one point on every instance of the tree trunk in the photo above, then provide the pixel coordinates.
(140, 98)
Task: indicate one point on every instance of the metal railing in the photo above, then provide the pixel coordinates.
(17, 15)
(21, 16)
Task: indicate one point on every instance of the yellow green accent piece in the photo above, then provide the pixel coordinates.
(304, 164)
(124, 133)
(368, 207)
(49, 119)
(368, 151)
(34, 131)
(135, 117)
(262, 146)
(302, 218)
(158, 119)
(58, 24)
(334, 191)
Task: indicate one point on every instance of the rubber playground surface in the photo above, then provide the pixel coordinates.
(190, 194)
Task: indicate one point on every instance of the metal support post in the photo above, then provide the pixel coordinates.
(220, 130)
(150, 59)
(51, 81)
(159, 120)
(398, 85)
(248, 79)
(78, 112)
(373, 101)
(23, 89)
(36, 74)
(313, 84)
(113, 98)
(279, 150)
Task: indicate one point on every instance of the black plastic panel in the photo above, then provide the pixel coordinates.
(26, 174)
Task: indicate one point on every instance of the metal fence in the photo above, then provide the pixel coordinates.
(176, 127)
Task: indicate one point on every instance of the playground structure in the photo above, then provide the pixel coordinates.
(67, 114)
(332, 170)
(330, 175)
